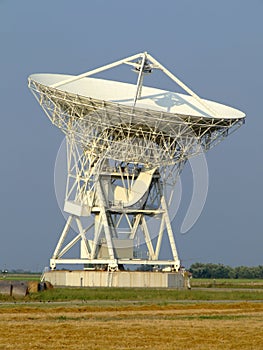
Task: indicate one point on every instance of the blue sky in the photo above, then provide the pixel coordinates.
(214, 47)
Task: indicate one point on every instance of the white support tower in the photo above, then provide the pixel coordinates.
(126, 146)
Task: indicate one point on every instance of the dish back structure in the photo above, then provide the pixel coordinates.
(126, 146)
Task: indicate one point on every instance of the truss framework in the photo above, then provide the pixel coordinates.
(109, 145)
(127, 133)
(102, 240)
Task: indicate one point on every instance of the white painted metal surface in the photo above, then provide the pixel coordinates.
(151, 98)
(136, 195)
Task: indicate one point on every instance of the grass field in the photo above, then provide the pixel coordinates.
(20, 277)
(206, 317)
(75, 325)
(142, 295)
(226, 283)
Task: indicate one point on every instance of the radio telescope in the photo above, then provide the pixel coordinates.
(126, 145)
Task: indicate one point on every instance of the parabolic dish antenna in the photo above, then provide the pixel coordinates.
(126, 144)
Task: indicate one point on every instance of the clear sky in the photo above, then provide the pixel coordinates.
(216, 47)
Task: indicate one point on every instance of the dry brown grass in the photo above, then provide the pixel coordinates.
(177, 326)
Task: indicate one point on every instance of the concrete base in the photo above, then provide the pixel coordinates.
(84, 278)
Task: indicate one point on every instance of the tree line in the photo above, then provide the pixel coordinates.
(208, 270)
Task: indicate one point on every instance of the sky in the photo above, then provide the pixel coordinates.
(215, 47)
